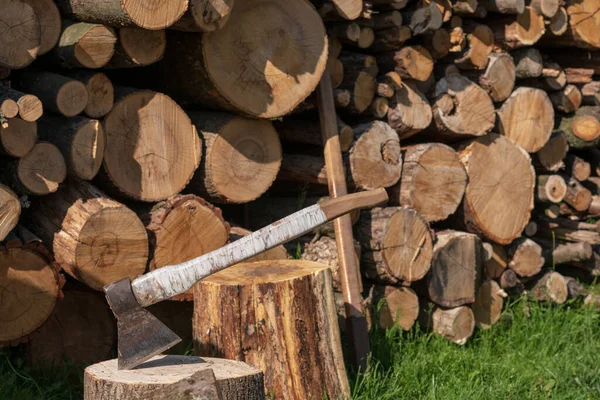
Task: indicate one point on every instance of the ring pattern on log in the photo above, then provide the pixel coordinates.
(20, 36)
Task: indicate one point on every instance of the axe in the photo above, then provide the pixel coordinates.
(142, 336)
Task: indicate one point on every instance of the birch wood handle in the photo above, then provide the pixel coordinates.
(164, 283)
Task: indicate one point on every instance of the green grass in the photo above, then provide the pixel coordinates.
(537, 352)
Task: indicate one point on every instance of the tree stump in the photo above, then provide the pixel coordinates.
(397, 244)
(493, 160)
(433, 181)
(242, 157)
(236, 380)
(279, 316)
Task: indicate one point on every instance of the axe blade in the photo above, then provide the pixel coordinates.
(141, 335)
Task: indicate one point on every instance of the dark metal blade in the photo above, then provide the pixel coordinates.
(141, 335)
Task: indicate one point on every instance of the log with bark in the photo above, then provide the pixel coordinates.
(399, 306)
(101, 93)
(582, 129)
(493, 160)
(550, 157)
(577, 167)
(324, 251)
(18, 138)
(577, 195)
(205, 16)
(95, 239)
(525, 257)
(81, 141)
(29, 107)
(241, 157)
(488, 304)
(84, 45)
(195, 70)
(235, 379)
(498, 78)
(409, 112)
(433, 181)
(455, 324)
(456, 269)
(397, 245)
(568, 99)
(140, 13)
(550, 287)
(551, 188)
(152, 148)
(238, 321)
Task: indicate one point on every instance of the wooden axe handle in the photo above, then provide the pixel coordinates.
(164, 283)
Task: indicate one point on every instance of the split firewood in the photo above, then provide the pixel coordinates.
(493, 158)
(550, 157)
(50, 23)
(399, 306)
(18, 138)
(498, 78)
(433, 181)
(138, 47)
(81, 141)
(579, 75)
(81, 330)
(29, 107)
(242, 159)
(94, 239)
(456, 269)
(105, 380)
(389, 253)
(240, 293)
(527, 118)
(39, 172)
(551, 287)
(58, 93)
(140, 162)
(583, 128)
(488, 304)
(280, 81)
(182, 228)
(410, 112)
(101, 93)
(495, 260)
(84, 45)
(205, 16)
(125, 14)
(455, 324)
(525, 257)
(35, 286)
(551, 188)
(21, 38)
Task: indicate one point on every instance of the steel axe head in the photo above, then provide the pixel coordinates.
(140, 334)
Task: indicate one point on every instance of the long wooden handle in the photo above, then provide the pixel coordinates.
(164, 283)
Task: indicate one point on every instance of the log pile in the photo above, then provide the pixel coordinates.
(137, 136)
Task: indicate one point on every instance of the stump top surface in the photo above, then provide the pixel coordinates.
(265, 271)
(166, 369)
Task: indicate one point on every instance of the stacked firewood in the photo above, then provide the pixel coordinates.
(125, 125)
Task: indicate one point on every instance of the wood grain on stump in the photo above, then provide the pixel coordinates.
(433, 181)
(494, 164)
(242, 157)
(279, 316)
(236, 380)
(397, 244)
(152, 148)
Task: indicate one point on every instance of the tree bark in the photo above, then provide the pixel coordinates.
(18, 138)
(400, 306)
(397, 245)
(325, 251)
(58, 93)
(95, 239)
(143, 164)
(527, 118)
(84, 45)
(456, 269)
(488, 304)
(237, 323)
(21, 36)
(494, 160)
(138, 48)
(118, 13)
(182, 228)
(583, 128)
(525, 257)
(433, 181)
(81, 141)
(551, 188)
(39, 172)
(242, 157)
(235, 379)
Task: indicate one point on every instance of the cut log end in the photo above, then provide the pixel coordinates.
(455, 324)
(550, 157)
(87, 149)
(21, 38)
(141, 47)
(100, 95)
(584, 23)
(291, 61)
(152, 148)
(587, 128)
(409, 111)
(34, 288)
(211, 15)
(488, 304)
(154, 15)
(551, 188)
(10, 210)
(50, 23)
(42, 170)
(18, 138)
(526, 257)
(94, 48)
(72, 98)
(400, 307)
(551, 287)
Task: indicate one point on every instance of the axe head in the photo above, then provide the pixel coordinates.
(141, 335)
